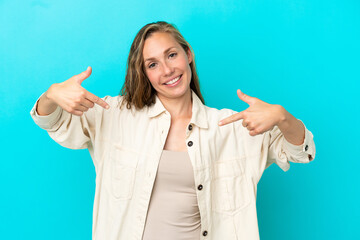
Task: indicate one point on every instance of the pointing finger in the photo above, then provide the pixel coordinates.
(87, 103)
(232, 118)
(95, 99)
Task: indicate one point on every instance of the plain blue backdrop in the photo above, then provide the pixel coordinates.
(301, 54)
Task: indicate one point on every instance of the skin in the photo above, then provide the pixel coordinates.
(70, 96)
(261, 117)
(258, 118)
(165, 66)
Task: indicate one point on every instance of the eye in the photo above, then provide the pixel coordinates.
(173, 54)
(151, 65)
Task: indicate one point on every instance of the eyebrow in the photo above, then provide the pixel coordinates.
(166, 51)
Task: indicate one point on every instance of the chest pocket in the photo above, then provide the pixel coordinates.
(123, 172)
(229, 187)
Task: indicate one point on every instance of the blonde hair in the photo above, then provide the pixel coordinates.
(137, 89)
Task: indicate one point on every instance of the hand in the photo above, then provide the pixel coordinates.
(72, 97)
(259, 117)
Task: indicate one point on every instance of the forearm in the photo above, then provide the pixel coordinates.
(292, 128)
(45, 105)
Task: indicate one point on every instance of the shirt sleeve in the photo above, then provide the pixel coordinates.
(68, 130)
(283, 152)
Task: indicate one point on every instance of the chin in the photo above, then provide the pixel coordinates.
(176, 93)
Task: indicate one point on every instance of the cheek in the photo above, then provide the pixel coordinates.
(186, 65)
(188, 68)
(152, 76)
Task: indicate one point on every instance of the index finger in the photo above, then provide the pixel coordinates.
(232, 118)
(96, 99)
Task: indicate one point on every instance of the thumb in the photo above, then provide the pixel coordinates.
(84, 75)
(246, 98)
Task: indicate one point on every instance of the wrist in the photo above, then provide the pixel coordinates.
(49, 95)
(283, 118)
(46, 105)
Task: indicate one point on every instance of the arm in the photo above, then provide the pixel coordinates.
(66, 111)
(292, 128)
(45, 105)
(286, 137)
(282, 152)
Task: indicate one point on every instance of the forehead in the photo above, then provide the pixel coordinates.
(157, 43)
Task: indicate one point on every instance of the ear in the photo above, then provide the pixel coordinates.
(189, 55)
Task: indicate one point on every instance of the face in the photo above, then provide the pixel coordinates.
(165, 61)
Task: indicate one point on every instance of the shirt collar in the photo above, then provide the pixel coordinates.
(199, 117)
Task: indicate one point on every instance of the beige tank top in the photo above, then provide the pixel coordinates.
(173, 210)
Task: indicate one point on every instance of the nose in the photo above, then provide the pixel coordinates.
(168, 69)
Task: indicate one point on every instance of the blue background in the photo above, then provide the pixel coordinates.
(303, 55)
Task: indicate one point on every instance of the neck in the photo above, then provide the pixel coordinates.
(178, 108)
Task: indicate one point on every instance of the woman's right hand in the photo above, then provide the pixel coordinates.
(72, 97)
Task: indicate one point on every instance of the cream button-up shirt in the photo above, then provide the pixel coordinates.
(126, 145)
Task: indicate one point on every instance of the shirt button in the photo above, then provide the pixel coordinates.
(200, 187)
(190, 127)
(306, 147)
(204, 233)
(190, 143)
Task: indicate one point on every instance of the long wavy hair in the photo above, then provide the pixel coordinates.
(137, 90)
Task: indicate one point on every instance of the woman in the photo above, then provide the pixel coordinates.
(165, 167)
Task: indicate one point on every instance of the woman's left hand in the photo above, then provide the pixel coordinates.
(259, 117)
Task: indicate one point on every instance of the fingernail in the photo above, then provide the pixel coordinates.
(107, 106)
(220, 123)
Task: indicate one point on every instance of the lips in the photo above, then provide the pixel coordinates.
(178, 77)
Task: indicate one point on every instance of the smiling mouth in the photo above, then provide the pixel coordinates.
(173, 81)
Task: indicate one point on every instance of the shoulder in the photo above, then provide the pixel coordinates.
(118, 104)
(214, 115)
(113, 101)
(214, 112)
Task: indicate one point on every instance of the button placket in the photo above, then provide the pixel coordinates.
(194, 132)
(164, 125)
(188, 130)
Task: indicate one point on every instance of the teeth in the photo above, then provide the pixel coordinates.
(173, 81)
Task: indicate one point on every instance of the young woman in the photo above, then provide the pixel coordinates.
(165, 167)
